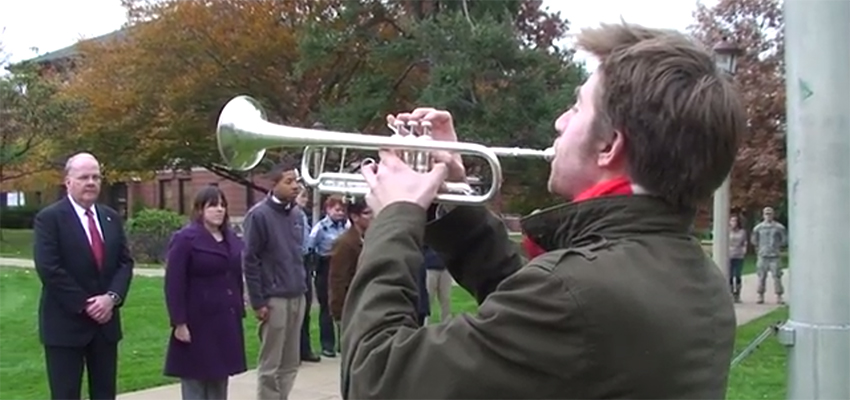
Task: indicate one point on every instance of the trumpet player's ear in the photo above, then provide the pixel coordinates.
(612, 150)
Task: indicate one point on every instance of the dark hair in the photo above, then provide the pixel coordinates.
(210, 196)
(286, 163)
(738, 223)
(680, 115)
(356, 206)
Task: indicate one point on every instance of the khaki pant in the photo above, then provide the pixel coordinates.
(773, 265)
(439, 285)
(280, 353)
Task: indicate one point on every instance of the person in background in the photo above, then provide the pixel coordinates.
(769, 238)
(309, 269)
(204, 298)
(322, 237)
(344, 254)
(273, 263)
(439, 282)
(737, 251)
(82, 259)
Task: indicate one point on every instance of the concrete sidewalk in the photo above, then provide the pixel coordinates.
(28, 263)
(320, 381)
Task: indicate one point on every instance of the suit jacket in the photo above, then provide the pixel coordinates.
(343, 264)
(69, 274)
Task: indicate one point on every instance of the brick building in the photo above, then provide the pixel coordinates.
(175, 190)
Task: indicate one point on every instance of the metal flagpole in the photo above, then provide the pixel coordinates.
(817, 57)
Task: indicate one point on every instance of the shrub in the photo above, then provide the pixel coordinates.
(18, 217)
(149, 231)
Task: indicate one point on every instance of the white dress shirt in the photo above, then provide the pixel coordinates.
(84, 220)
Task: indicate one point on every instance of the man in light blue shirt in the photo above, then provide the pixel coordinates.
(322, 237)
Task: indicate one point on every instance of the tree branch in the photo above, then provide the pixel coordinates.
(6, 177)
(234, 177)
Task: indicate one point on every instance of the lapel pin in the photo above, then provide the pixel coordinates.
(108, 218)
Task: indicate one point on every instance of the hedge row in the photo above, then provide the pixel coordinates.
(148, 231)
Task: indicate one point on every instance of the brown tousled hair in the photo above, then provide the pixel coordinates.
(680, 115)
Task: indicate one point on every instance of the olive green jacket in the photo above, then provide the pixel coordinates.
(625, 304)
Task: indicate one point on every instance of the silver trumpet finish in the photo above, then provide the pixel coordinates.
(244, 134)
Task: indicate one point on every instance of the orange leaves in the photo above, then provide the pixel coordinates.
(155, 92)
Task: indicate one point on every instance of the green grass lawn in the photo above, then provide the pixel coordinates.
(142, 351)
(763, 374)
(16, 243)
(146, 331)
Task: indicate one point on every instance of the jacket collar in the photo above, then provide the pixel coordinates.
(610, 217)
(206, 241)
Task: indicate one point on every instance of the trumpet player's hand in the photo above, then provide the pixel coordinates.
(392, 181)
(442, 128)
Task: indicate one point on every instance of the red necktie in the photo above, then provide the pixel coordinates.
(96, 240)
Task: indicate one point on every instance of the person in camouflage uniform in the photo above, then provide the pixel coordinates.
(769, 238)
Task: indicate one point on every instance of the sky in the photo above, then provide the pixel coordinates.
(32, 27)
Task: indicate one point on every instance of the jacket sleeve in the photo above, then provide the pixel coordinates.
(524, 329)
(177, 264)
(120, 285)
(48, 264)
(343, 263)
(255, 242)
(476, 248)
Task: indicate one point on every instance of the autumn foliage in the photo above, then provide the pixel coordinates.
(758, 178)
(151, 96)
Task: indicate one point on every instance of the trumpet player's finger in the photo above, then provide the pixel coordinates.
(403, 117)
(369, 172)
(422, 112)
(438, 174)
(390, 159)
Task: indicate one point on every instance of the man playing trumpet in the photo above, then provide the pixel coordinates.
(623, 302)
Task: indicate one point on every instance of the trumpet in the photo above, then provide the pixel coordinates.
(244, 135)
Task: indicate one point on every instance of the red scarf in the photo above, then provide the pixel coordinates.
(616, 186)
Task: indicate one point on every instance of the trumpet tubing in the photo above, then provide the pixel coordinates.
(244, 134)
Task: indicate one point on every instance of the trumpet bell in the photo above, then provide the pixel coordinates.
(237, 143)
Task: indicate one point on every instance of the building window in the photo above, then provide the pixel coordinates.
(165, 193)
(15, 199)
(184, 199)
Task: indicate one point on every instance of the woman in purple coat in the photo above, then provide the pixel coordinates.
(203, 294)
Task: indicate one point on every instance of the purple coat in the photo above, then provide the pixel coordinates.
(203, 289)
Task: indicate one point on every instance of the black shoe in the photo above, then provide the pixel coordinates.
(328, 353)
(311, 358)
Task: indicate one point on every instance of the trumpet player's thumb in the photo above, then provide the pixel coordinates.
(436, 179)
(439, 172)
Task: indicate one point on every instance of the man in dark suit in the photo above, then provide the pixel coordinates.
(85, 267)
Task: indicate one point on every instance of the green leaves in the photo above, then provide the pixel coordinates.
(33, 121)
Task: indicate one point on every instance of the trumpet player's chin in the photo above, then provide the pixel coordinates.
(553, 184)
